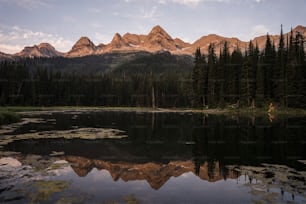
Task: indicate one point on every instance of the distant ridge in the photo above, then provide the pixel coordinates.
(41, 50)
(155, 41)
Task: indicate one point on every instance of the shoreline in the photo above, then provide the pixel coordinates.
(213, 111)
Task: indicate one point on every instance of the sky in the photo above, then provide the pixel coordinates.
(62, 22)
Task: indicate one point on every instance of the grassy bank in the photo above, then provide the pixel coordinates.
(7, 117)
(264, 111)
(12, 111)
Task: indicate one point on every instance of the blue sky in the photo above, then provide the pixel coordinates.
(63, 22)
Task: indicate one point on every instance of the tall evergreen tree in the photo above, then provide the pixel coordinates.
(212, 76)
(248, 76)
(198, 79)
(235, 74)
(222, 74)
(195, 77)
(280, 72)
(268, 69)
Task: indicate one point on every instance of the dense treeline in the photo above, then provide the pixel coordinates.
(253, 78)
(116, 79)
(20, 85)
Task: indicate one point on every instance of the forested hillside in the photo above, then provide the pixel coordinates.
(253, 78)
(117, 79)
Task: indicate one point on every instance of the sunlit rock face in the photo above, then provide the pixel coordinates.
(156, 174)
(155, 41)
(82, 47)
(41, 50)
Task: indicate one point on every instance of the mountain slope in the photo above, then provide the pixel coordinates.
(117, 43)
(82, 47)
(117, 62)
(4, 56)
(41, 50)
(158, 39)
(155, 41)
(181, 44)
(217, 40)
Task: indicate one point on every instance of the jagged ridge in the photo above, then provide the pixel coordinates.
(157, 40)
(156, 174)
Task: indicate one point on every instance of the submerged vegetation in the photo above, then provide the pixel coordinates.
(7, 117)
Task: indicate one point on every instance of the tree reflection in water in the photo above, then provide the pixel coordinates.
(256, 152)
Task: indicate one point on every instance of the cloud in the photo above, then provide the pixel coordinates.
(99, 37)
(259, 30)
(96, 25)
(28, 4)
(189, 2)
(183, 2)
(196, 2)
(13, 39)
(69, 19)
(94, 10)
(10, 49)
(149, 14)
(143, 13)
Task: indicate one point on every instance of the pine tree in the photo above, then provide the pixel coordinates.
(198, 79)
(195, 77)
(255, 63)
(268, 69)
(280, 74)
(247, 77)
(300, 71)
(292, 84)
(260, 85)
(222, 74)
(212, 76)
(235, 75)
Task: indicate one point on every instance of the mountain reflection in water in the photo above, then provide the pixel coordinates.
(232, 159)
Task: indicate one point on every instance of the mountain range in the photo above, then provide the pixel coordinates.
(157, 40)
(156, 174)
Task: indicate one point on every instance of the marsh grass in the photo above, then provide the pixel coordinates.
(7, 117)
(12, 114)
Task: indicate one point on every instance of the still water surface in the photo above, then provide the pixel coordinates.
(135, 157)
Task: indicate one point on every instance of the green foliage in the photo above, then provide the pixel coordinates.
(199, 77)
(46, 189)
(254, 79)
(42, 87)
(162, 79)
(7, 117)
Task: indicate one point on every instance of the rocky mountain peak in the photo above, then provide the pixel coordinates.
(300, 29)
(41, 50)
(132, 39)
(116, 39)
(46, 46)
(48, 50)
(117, 36)
(117, 42)
(156, 40)
(158, 31)
(84, 41)
(159, 39)
(84, 46)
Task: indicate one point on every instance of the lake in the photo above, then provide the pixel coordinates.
(152, 157)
